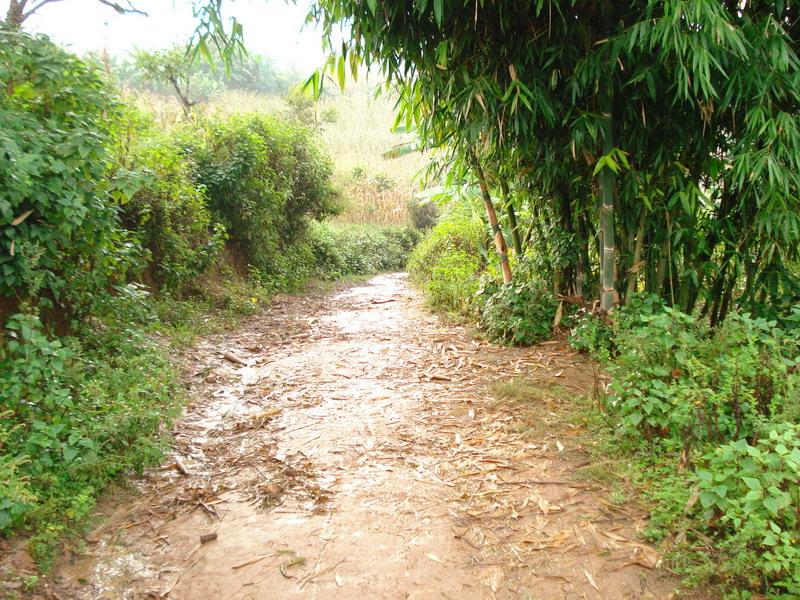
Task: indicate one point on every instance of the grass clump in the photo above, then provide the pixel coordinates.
(341, 251)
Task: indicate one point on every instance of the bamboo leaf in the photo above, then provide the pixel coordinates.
(438, 12)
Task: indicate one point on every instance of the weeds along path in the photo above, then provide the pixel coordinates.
(347, 446)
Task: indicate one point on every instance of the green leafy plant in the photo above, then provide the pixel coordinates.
(749, 497)
(59, 234)
(76, 413)
(162, 206)
(359, 250)
(423, 215)
(592, 334)
(448, 262)
(675, 379)
(264, 180)
(520, 313)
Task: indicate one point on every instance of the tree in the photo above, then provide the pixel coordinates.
(20, 10)
(172, 66)
(211, 35)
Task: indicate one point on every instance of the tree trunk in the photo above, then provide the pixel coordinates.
(16, 14)
(584, 264)
(567, 283)
(633, 272)
(186, 103)
(661, 269)
(499, 238)
(607, 184)
(516, 239)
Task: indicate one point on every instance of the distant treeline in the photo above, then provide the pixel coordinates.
(253, 73)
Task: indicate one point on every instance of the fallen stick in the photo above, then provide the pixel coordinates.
(547, 482)
(180, 466)
(175, 581)
(252, 561)
(231, 357)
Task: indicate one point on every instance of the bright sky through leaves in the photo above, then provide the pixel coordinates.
(272, 27)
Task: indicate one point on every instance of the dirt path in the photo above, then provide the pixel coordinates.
(358, 454)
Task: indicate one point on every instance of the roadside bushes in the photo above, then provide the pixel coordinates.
(448, 263)
(451, 265)
(520, 313)
(359, 250)
(264, 180)
(749, 499)
(59, 236)
(677, 380)
(74, 414)
(724, 402)
(163, 206)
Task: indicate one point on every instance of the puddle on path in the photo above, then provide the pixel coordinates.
(357, 454)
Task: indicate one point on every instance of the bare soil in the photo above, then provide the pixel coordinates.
(348, 446)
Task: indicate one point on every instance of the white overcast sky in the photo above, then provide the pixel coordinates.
(274, 28)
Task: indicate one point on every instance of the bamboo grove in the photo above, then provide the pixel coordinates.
(640, 146)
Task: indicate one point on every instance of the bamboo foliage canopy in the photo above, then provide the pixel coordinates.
(688, 106)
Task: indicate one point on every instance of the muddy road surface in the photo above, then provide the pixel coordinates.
(349, 445)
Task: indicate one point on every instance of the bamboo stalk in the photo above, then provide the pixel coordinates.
(607, 184)
(516, 239)
(499, 238)
(633, 272)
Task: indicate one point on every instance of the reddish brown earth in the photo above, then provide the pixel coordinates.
(359, 453)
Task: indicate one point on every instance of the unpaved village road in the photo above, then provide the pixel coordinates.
(358, 453)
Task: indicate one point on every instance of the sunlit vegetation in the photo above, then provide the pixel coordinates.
(354, 127)
(638, 169)
(123, 231)
(626, 175)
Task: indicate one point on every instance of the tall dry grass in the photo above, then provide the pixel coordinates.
(375, 190)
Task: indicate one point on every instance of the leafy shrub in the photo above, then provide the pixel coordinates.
(750, 501)
(165, 209)
(359, 250)
(264, 179)
(75, 414)
(58, 224)
(673, 378)
(596, 334)
(300, 105)
(593, 334)
(448, 261)
(454, 282)
(520, 312)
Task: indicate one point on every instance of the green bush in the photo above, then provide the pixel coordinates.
(59, 234)
(675, 379)
(749, 499)
(166, 210)
(520, 313)
(596, 333)
(423, 215)
(593, 334)
(359, 250)
(74, 415)
(265, 179)
(448, 263)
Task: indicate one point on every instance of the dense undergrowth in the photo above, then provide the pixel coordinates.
(119, 238)
(702, 424)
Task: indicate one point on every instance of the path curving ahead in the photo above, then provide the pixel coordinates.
(358, 453)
